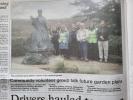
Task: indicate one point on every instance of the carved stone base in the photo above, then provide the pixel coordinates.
(36, 59)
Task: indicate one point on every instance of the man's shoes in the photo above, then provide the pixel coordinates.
(81, 58)
(106, 60)
(86, 59)
(101, 60)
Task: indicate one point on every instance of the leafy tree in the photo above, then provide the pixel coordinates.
(109, 10)
(111, 13)
(88, 7)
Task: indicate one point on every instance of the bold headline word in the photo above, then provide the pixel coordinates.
(50, 97)
(3, 5)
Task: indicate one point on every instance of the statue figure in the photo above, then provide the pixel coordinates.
(41, 45)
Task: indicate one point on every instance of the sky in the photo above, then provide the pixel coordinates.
(52, 9)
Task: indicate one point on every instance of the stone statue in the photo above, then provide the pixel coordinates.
(41, 46)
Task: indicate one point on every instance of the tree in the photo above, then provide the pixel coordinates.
(88, 7)
(109, 10)
(111, 13)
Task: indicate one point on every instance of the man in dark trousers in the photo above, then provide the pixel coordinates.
(73, 42)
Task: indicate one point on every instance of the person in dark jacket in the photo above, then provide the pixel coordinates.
(55, 37)
(103, 41)
(73, 42)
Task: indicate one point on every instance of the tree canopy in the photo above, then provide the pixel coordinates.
(109, 10)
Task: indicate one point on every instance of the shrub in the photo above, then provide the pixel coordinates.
(115, 45)
(60, 67)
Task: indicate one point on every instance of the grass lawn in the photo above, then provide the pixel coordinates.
(58, 64)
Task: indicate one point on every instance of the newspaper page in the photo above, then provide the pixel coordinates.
(4, 38)
(63, 50)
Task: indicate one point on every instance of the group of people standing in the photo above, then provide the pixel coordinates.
(78, 41)
(82, 42)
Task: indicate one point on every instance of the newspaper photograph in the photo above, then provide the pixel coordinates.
(62, 50)
(66, 36)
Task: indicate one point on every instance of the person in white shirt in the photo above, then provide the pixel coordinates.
(82, 36)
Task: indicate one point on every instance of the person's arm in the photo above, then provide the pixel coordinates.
(87, 33)
(77, 36)
(68, 36)
(98, 34)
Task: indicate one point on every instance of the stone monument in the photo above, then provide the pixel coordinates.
(40, 47)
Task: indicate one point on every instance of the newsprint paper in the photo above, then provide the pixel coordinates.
(63, 50)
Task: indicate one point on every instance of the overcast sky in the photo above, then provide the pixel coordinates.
(52, 9)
